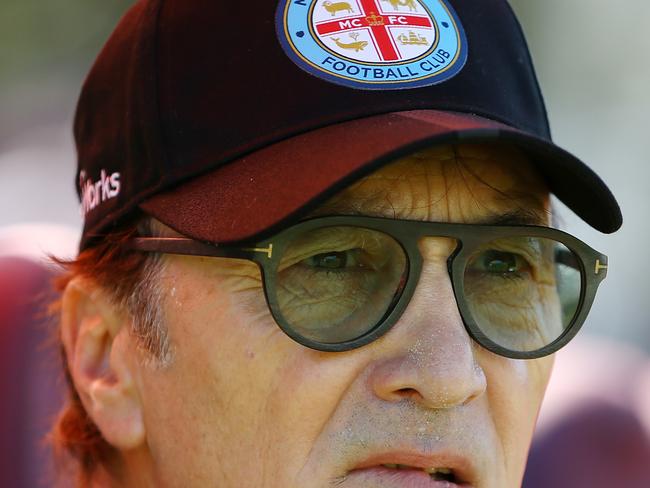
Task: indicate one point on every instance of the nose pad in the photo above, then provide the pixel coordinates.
(428, 356)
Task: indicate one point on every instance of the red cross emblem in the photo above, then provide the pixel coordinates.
(395, 35)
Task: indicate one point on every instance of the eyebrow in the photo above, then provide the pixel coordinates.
(518, 216)
(514, 217)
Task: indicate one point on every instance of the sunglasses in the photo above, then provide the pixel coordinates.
(337, 283)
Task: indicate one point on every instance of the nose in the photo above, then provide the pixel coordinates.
(428, 357)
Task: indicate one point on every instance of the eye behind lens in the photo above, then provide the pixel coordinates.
(500, 263)
(343, 285)
(328, 260)
(520, 292)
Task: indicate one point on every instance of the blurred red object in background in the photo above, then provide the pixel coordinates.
(31, 380)
(594, 429)
(31, 383)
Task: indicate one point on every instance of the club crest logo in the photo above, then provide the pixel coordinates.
(373, 44)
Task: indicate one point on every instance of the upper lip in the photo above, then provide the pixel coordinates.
(462, 467)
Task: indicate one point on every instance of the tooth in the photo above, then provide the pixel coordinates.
(437, 470)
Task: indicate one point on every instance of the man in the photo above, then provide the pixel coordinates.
(318, 248)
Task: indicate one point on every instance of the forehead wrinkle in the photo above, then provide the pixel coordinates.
(458, 168)
(367, 197)
(511, 196)
(423, 164)
(441, 183)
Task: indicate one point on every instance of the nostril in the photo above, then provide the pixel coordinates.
(407, 392)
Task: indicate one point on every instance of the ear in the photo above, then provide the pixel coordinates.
(101, 361)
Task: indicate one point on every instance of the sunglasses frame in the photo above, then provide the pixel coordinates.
(407, 233)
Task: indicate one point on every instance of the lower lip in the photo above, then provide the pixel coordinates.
(404, 478)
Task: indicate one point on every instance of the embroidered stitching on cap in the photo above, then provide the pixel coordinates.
(96, 193)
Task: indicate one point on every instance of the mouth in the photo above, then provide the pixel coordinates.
(415, 471)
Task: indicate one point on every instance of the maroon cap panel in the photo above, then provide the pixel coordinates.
(257, 194)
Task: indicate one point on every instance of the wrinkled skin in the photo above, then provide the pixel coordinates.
(243, 405)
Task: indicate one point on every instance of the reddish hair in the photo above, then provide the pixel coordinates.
(78, 443)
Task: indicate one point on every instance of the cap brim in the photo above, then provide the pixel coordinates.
(255, 195)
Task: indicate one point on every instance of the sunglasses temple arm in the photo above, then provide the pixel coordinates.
(187, 247)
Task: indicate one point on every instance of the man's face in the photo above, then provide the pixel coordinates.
(243, 405)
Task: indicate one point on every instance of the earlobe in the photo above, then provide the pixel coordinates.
(100, 356)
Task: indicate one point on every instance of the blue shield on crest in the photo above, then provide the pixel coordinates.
(373, 44)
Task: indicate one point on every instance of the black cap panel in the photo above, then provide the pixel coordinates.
(225, 68)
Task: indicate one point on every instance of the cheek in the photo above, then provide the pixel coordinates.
(214, 393)
(515, 392)
(241, 399)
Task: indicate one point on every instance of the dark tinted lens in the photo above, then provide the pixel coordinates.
(335, 284)
(523, 292)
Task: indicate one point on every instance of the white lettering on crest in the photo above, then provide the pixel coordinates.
(393, 19)
(347, 24)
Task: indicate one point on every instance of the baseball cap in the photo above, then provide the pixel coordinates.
(228, 120)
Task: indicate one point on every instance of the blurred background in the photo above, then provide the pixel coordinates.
(594, 68)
